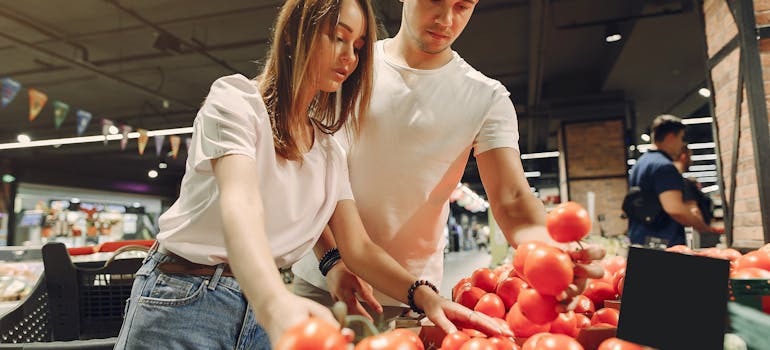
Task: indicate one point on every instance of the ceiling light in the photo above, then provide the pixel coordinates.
(552, 154)
(645, 138)
(612, 33)
(704, 92)
(23, 138)
(113, 130)
(75, 200)
(532, 174)
(86, 139)
(703, 145)
(700, 157)
(631, 162)
(8, 178)
(152, 173)
(703, 120)
(162, 165)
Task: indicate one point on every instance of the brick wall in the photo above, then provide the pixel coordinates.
(720, 29)
(595, 162)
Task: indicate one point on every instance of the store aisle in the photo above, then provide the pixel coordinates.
(461, 264)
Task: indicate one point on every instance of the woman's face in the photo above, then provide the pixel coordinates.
(336, 53)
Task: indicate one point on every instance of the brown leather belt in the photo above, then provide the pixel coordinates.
(185, 267)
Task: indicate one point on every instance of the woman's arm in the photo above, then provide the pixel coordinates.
(371, 262)
(248, 249)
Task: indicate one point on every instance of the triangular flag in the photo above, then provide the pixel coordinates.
(187, 142)
(84, 117)
(37, 100)
(159, 143)
(106, 124)
(143, 138)
(9, 90)
(174, 139)
(124, 129)
(60, 111)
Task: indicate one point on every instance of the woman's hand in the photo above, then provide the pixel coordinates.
(443, 312)
(345, 286)
(279, 315)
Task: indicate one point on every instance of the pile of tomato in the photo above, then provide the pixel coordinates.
(522, 296)
(755, 264)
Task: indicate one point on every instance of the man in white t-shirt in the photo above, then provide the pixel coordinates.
(429, 109)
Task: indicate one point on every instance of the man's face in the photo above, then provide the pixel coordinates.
(676, 142)
(433, 25)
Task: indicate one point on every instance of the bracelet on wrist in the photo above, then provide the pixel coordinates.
(328, 260)
(410, 294)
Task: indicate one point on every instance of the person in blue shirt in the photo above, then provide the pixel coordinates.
(655, 173)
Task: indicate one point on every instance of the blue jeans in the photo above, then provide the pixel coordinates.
(187, 312)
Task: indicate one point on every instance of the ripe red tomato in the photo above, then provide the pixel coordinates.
(538, 308)
(621, 282)
(552, 342)
(731, 254)
(462, 283)
(679, 249)
(531, 342)
(603, 325)
(618, 344)
(485, 279)
(606, 315)
(469, 296)
(757, 258)
(474, 333)
(502, 272)
(598, 292)
(617, 278)
(568, 222)
(521, 326)
(454, 340)
(508, 290)
(565, 324)
(401, 339)
(582, 321)
(313, 333)
(584, 306)
(750, 273)
(478, 344)
(503, 343)
(521, 255)
(549, 270)
(614, 264)
(491, 305)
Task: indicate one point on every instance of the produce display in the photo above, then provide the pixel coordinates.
(527, 295)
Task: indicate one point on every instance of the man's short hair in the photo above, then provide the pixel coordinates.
(665, 124)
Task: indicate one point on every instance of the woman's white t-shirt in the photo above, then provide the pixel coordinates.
(299, 198)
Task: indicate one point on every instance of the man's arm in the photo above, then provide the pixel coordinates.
(520, 214)
(674, 206)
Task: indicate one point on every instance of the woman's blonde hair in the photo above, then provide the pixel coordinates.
(298, 26)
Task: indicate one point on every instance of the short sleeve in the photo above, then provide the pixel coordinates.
(345, 191)
(500, 126)
(228, 123)
(667, 178)
(690, 191)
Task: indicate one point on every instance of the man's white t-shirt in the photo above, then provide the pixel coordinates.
(412, 152)
(298, 199)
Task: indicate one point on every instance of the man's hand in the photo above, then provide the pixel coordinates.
(347, 287)
(585, 268)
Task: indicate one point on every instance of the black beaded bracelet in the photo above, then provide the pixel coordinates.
(328, 260)
(410, 294)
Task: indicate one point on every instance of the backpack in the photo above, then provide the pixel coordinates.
(644, 207)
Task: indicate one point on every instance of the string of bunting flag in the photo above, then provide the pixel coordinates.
(10, 88)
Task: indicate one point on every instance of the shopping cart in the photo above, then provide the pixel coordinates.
(73, 305)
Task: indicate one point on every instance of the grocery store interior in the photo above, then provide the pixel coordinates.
(99, 98)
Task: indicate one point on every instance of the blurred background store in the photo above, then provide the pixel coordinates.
(99, 96)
